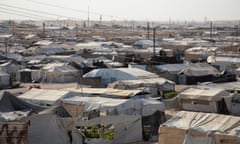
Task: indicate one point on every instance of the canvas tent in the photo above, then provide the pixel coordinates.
(45, 97)
(114, 74)
(150, 112)
(156, 86)
(11, 68)
(108, 92)
(190, 73)
(13, 118)
(198, 72)
(170, 71)
(22, 122)
(205, 100)
(29, 75)
(4, 79)
(48, 127)
(199, 128)
(59, 73)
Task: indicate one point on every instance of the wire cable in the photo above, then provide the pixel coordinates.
(36, 11)
(25, 13)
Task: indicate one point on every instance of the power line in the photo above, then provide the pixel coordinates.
(76, 10)
(24, 13)
(20, 14)
(36, 11)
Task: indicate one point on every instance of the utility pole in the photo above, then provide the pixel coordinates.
(211, 30)
(237, 32)
(6, 46)
(148, 32)
(154, 41)
(88, 17)
(76, 27)
(43, 29)
(100, 20)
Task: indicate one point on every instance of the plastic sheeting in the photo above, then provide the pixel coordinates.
(201, 127)
(45, 96)
(144, 107)
(13, 108)
(114, 74)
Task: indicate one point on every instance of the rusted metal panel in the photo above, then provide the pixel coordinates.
(13, 132)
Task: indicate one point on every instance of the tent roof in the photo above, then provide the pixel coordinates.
(60, 67)
(132, 72)
(205, 122)
(2, 73)
(13, 108)
(44, 96)
(142, 82)
(200, 69)
(122, 106)
(203, 93)
(171, 67)
(106, 92)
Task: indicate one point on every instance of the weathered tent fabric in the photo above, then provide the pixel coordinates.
(114, 74)
(161, 83)
(200, 69)
(13, 108)
(47, 128)
(105, 92)
(29, 75)
(127, 128)
(204, 99)
(197, 127)
(4, 79)
(45, 96)
(60, 72)
(144, 107)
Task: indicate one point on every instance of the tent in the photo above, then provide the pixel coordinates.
(198, 72)
(169, 71)
(150, 112)
(114, 74)
(47, 127)
(13, 118)
(4, 79)
(155, 86)
(45, 97)
(205, 100)
(22, 122)
(108, 92)
(200, 128)
(11, 68)
(190, 73)
(59, 73)
(29, 75)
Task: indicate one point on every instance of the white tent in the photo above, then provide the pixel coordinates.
(115, 74)
(143, 107)
(200, 128)
(45, 96)
(4, 79)
(205, 99)
(60, 73)
(144, 115)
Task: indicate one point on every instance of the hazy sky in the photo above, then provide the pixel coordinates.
(157, 10)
